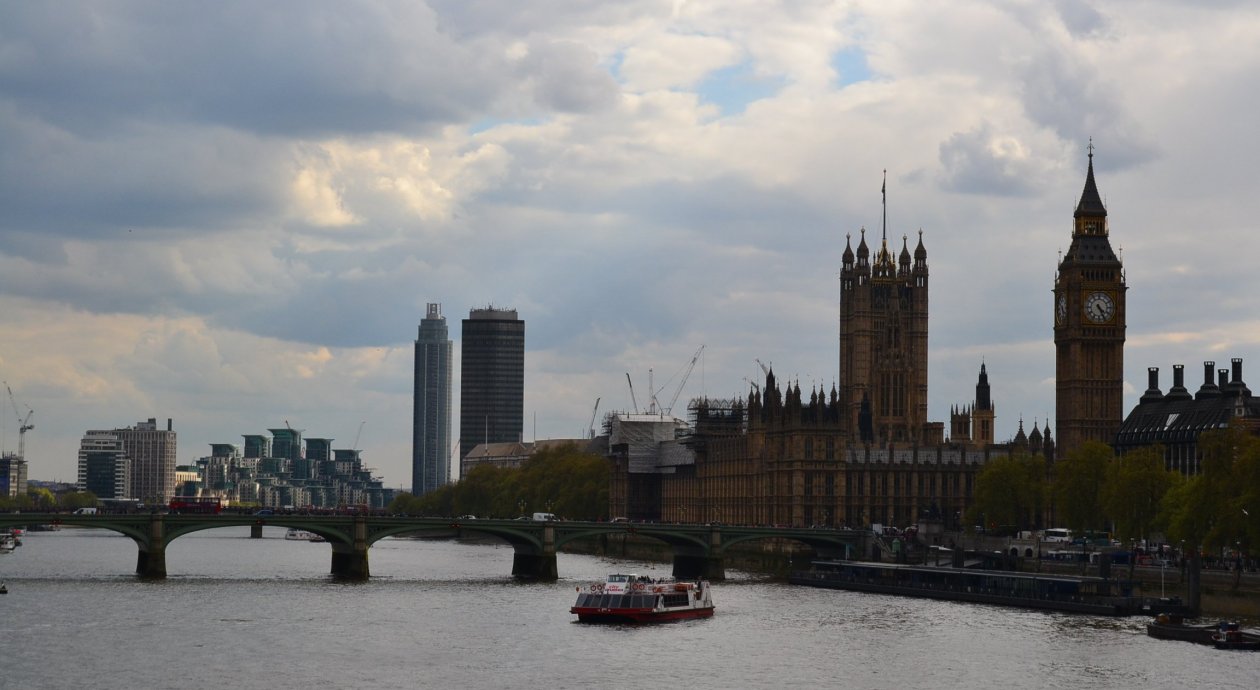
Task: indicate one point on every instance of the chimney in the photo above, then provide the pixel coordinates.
(1208, 389)
(1223, 378)
(168, 423)
(1178, 390)
(1152, 393)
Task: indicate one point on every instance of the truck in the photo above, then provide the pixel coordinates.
(545, 517)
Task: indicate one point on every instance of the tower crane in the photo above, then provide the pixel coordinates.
(591, 427)
(357, 434)
(24, 423)
(691, 365)
(765, 370)
(632, 400)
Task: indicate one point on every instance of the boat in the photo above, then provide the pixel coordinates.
(1093, 595)
(1229, 636)
(632, 598)
(7, 543)
(1166, 627)
(295, 534)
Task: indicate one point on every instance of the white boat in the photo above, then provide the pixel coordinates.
(7, 543)
(640, 599)
(295, 534)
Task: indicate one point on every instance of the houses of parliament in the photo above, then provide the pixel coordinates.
(864, 451)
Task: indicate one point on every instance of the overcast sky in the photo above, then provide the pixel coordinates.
(232, 214)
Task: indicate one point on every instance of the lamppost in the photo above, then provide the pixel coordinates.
(521, 505)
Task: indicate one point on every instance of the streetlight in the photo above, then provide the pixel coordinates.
(521, 505)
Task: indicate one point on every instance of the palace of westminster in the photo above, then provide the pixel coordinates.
(864, 452)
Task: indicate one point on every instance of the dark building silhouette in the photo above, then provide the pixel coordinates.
(492, 378)
(1176, 419)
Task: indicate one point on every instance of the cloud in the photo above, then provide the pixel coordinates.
(233, 215)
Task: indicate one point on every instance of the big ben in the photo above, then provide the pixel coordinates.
(1089, 324)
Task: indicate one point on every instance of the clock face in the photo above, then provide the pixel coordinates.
(1060, 312)
(1099, 307)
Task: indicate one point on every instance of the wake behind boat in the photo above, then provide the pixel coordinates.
(641, 599)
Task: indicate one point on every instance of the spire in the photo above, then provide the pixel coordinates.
(1091, 203)
(983, 401)
(883, 193)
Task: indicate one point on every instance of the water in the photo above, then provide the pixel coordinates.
(242, 613)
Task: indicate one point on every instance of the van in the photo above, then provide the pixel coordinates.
(545, 517)
(1057, 535)
(85, 511)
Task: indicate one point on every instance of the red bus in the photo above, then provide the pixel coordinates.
(208, 505)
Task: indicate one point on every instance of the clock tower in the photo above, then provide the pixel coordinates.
(1089, 323)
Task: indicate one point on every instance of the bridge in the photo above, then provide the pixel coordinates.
(698, 550)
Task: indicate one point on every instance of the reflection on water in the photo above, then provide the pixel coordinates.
(239, 612)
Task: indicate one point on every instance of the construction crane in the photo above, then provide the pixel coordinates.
(357, 435)
(764, 369)
(691, 365)
(591, 427)
(24, 424)
(632, 400)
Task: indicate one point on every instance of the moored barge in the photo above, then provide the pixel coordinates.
(1093, 595)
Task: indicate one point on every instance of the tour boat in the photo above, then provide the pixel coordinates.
(295, 534)
(641, 599)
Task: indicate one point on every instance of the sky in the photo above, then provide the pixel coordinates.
(232, 214)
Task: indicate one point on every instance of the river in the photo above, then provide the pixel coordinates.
(236, 612)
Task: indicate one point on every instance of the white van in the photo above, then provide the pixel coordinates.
(85, 511)
(1057, 534)
(545, 517)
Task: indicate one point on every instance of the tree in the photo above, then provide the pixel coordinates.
(1134, 486)
(1078, 479)
(1010, 490)
(1219, 509)
(565, 480)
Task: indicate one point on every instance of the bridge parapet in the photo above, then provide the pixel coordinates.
(698, 550)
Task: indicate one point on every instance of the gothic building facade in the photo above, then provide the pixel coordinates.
(1089, 326)
(859, 454)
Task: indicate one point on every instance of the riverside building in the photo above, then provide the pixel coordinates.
(492, 378)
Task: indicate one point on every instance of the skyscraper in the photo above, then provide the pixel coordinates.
(492, 378)
(431, 405)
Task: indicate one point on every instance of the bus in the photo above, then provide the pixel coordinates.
(199, 505)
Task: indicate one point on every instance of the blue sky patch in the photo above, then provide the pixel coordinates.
(733, 88)
(850, 65)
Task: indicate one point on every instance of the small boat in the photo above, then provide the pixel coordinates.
(1228, 636)
(295, 534)
(7, 543)
(4, 589)
(1172, 627)
(640, 599)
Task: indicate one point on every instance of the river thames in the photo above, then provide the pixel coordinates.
(262, 613)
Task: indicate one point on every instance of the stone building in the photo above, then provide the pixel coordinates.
(862, 453)
(1175, 419)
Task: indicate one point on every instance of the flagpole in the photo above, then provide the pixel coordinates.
(883, 192)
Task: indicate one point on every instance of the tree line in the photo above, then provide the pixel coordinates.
(567, 481)
(1134, 495)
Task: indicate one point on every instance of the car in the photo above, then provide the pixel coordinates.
(619, 519)
(526, 518)
(265, 511)
(467, 517)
